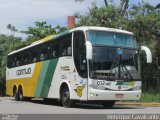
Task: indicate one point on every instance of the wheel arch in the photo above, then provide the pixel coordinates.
(62, 86)
(20, 86)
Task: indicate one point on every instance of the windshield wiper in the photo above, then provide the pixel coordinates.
(127, 71)
(119, 65)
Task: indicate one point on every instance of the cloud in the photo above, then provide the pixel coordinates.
(23, 13)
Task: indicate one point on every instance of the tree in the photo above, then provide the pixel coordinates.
(7, 44)
(123, 7)
(12, 28)
(42, 30)
(104, 16)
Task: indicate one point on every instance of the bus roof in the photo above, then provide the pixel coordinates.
(83, 28)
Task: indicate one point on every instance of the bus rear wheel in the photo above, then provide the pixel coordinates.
(108, 104)
(65, 97)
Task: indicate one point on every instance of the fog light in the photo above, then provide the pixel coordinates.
(138, 96)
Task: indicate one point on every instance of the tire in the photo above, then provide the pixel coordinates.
(27, 98)
(20, 95)
(108, 104)
(15, 94)
(65, 98)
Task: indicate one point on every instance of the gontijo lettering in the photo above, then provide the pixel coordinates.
(23, 71)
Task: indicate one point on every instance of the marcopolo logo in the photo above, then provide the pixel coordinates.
(23, 71)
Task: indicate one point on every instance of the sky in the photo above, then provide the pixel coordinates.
(24, 13)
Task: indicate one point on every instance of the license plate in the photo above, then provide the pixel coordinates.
(119, 95)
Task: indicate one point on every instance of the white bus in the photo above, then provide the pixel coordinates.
(88, 64)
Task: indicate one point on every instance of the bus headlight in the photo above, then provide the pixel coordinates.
(136, 88)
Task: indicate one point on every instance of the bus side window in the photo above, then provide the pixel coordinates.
(15, 62)
(54, 54)
(48, 56)
(43, 52)
(34, 59)
(33, 56)
(49, 51)
(42, 56)
(69, 51)
(55, 48)
(65, 45)
(64, 52)
(9, 61)
(18, 63)
(26, 60)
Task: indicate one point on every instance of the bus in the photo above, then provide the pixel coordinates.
(85, 64)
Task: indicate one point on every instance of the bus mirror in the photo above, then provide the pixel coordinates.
(88, 50)
(148, 53)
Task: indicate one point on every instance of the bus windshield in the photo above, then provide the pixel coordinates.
(111, 38)
(110, 64)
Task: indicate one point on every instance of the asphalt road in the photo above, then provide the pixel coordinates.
(9, 105)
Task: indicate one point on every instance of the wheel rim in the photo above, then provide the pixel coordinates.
(14, 93)
(66, 98)
(20, 95)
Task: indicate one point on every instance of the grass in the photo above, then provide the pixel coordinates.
(150, 97)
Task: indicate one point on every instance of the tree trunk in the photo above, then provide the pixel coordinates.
(106, 3)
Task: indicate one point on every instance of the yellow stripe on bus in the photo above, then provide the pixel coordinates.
(44, 39)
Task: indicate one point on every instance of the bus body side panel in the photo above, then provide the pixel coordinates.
(44, 79)
(66, 73)
(26, 76)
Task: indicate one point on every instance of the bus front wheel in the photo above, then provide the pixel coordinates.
(20, 95)
(65, 97)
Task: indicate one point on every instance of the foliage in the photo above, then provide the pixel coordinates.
(150, 97)
(12, 28)
(42, 30)
(105, 17)
(7, 44)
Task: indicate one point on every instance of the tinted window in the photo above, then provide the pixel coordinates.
(80, 53)
(65, 45)
(111, 38)
(45, 51)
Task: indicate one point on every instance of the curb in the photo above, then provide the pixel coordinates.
(138, 104)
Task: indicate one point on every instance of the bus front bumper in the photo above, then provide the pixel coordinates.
(96, 94)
